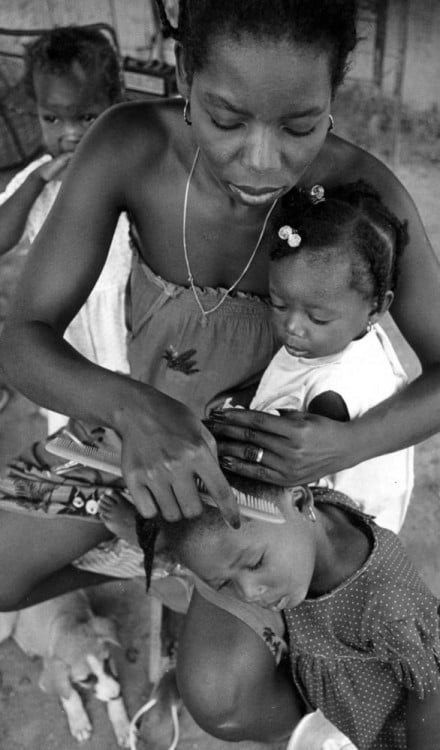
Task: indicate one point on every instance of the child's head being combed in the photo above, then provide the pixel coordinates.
(335, 264)
(73, 74)
(270, 564)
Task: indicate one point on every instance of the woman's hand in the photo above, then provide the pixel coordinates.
(164, 448)
(297, 447)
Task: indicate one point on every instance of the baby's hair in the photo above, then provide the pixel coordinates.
(352, 221)
(56, 50)
(327, 24)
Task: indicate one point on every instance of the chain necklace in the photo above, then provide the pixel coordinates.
(207, 312)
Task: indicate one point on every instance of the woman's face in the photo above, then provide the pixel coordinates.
(260, 115)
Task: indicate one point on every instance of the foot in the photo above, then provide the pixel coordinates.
(117, 513)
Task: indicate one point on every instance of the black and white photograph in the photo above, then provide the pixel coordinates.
(219, 374)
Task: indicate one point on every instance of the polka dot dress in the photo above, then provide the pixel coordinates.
(357, 650)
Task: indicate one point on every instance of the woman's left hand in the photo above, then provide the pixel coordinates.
(295, 448)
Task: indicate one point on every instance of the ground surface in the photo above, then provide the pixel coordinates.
(29, 720)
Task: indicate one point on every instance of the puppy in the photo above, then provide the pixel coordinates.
(73, 643)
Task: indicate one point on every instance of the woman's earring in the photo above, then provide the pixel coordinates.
(369, 326)
(186, 111)
(331, 125)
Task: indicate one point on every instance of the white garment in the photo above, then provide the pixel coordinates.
(364, 374)
(98, 331)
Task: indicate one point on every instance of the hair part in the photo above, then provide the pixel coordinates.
(57, 50)
(353, 222)
(329, 25)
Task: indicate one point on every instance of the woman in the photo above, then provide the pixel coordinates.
(257, 80)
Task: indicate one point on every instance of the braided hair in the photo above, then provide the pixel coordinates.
(352, 220)
(330, 25)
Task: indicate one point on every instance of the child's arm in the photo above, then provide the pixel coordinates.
(329, 404)
(423, 722)
(15, 210)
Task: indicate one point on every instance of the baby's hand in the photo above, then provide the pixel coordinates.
(52, 170)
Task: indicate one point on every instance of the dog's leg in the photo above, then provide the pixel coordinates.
(119, 721)
(79, 723)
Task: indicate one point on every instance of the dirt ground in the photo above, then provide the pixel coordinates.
(29, 720)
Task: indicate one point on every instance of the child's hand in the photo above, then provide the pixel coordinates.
(53, 170)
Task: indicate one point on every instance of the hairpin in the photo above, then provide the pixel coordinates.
(317, 194)
(291, 235)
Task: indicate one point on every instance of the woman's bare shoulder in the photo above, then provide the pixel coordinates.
(341, 161)
(134, 133)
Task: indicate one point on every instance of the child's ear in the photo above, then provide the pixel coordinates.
(299, 499)
(377, 312)
(183, 78)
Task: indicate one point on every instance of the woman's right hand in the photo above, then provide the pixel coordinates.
(164, 448)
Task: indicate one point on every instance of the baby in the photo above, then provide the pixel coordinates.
(335, 263)
(73, 75)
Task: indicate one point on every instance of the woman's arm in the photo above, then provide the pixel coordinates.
(423, 722)
(300, 447)
(164, 445)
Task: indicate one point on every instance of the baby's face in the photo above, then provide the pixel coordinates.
(264, 563)
(67, 106)
(315, 312)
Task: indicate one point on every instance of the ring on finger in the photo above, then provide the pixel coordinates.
(259, 456)
(253, 454)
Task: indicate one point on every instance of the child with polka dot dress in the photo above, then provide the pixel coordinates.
(362, 628)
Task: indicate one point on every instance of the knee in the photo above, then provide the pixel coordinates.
(214, 694)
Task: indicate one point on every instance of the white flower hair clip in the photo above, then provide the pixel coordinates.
(291, 235)
(317, 194)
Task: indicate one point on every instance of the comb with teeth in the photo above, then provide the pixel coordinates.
(252, 506)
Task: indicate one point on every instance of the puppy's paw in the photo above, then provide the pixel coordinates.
(79, 723)
(119, 721)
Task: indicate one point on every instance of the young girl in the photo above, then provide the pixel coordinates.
(335, 263)
(73, 75)
(363, 629)
(197, 177)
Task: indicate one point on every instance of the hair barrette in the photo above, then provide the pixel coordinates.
(317, 194)
(291, 235)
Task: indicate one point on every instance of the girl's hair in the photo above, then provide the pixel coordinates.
(353, 221)
(178, 534)
(55, 52)
(328, 24)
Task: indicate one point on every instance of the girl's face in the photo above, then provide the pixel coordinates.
(67, 105)
(315, 312)
(260, 115)
(263, 563)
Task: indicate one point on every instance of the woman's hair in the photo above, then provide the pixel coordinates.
(55, 52)
(328, 24)
(351, 221)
